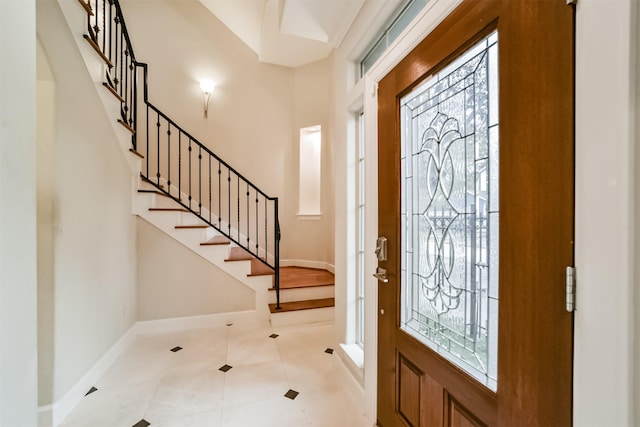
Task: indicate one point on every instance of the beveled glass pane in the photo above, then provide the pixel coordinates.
(449, 280)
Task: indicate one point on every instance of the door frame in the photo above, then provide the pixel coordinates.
(597, 25)
(433, 14)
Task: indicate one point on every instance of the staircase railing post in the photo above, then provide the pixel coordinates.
(277, 253)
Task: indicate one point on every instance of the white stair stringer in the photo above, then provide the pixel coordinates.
(192, 239)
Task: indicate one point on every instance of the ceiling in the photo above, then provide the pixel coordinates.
(291, 33)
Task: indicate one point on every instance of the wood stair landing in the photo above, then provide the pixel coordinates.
(302, 277)
(306, 296)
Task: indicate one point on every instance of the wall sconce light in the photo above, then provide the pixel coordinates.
(206, 86)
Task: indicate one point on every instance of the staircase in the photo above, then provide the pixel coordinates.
(306, 294)
(187, 191)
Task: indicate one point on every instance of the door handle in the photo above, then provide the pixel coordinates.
(381, 248)
(381, 275)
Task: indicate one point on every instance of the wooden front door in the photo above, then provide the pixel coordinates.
(476, 193)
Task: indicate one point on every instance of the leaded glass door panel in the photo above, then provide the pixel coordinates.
(449, 199)
(475, 135)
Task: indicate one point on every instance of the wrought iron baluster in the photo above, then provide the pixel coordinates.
(116, 80)
(219, 196)
(122, 93)
(190, 178)
(248, 231)
(104, 19)
(134, 137)
(277, 253)
(126, 86)
(104, 26)
(209, 188)
(180, 165)
(147, 153)
(131, 83)
(96, 24)
(200, 179)
(257, 231)
(229, 200)
(169, 157)
(110, 56)
(238, 211)
(158, 151)
(88, 19)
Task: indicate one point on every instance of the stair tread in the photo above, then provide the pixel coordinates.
(95, 47)
(87, 7)
(216, 240)
(168, 210)
(179, 227)
(302, 305)
(113, 91)
(127, 126)
(258, 268)
(303, 277)
(153, 192)
(132, 151)
(239, 254)
(303, 286)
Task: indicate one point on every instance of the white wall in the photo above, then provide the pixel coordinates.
(18, 281)
(255, 112)
(174, 282)
(310, 237)
(46, 99)
(94, 298)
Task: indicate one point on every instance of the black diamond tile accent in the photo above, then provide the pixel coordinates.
(329, 351)
(225, 368)
(291, 394)
(91, 391)
(274, 336)
(175, 349)
(142, 423)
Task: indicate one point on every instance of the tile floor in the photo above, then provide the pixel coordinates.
(152, 385)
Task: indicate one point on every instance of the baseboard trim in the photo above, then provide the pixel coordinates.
(53, 415)
(62, 408)
(307, 264)
(193, 322)
(350, 382)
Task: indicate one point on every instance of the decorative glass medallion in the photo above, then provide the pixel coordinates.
(449, 215)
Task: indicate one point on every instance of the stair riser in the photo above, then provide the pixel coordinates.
(315, 315)
(302, 294)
